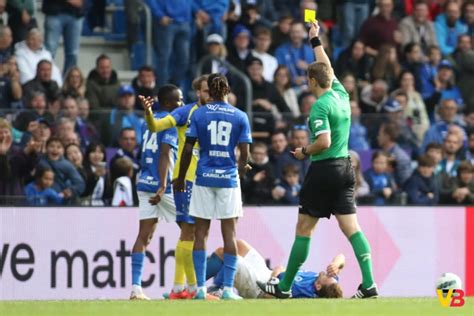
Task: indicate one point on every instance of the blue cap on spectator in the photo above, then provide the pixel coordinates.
(240, 29)
(44, 121)
(445, 64)
(126, 89)
(392, 106)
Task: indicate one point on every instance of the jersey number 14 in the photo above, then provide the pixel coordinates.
(150, 144)
(220, 132)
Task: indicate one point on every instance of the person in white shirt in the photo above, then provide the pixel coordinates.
(29, 53)
(262, 41)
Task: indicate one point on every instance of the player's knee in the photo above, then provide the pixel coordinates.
(349, 228)
(145, 238)
(303, 228)
(187, 233)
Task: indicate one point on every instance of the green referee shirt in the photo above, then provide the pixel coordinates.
(331, 113)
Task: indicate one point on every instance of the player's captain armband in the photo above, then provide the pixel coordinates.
(162, 124)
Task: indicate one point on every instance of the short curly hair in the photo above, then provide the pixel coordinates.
(330, 291)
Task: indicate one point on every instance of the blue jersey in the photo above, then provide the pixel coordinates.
(219, 128)
(303, 286)
(149, 179)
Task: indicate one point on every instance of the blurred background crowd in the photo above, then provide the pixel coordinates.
(68, 135)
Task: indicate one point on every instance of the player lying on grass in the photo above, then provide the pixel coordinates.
(179, 117)
(251, 267)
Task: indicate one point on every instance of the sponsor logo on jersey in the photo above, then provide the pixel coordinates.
(216, 176)
(318, 123)
(217, 153)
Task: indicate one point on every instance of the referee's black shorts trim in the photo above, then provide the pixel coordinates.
(328, 188)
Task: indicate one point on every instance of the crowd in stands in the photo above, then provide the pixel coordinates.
(67, 137)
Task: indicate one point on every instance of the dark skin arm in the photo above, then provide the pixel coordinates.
(244, 158)
(163, 167)
(184, 164)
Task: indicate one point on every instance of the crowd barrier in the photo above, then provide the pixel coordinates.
(84, 253)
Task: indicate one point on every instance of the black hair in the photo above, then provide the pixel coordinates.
(165, 93)
(40, 171)
(218, 86)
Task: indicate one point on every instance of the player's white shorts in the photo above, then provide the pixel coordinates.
(250, 269)
(216, 203)
(165, 210)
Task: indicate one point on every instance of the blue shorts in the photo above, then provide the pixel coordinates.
(182, 200)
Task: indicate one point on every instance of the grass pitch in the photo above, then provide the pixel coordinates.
(378, 307)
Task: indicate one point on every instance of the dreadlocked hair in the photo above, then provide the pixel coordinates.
(218, 86)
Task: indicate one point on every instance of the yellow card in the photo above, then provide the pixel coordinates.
(309, 15)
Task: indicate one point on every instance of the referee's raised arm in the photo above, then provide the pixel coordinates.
(319, 53)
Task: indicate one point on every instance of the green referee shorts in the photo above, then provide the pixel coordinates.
(328, 188)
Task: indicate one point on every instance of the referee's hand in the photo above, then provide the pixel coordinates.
(298, 153)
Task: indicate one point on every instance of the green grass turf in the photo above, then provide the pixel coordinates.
(378, 307)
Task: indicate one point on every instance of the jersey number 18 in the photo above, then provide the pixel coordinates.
(220, 132)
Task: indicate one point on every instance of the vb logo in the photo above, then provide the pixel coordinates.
(453, 297)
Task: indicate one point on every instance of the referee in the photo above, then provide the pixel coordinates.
(328, 187)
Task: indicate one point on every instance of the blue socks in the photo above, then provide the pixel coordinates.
(219, 278)
(199, 260)
(214, 265)
(230, 268)
(137, 267)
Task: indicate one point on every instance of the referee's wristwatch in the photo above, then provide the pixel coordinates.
(303, 151)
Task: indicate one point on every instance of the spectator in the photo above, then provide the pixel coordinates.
(172, 35)
(38, 133)
(421, 187)
(145, 84)
(16, 164)
(64, 128)
(380, 181)
(97, 185)
(39, 192)
(362, 188)
(42, 82)
(83, 128)
(435, 151)
(262, 41)
(257, 184)
(353, 14)
(74, 84)
(299, 137)
(282, 81)
(380, 29)
(448, 26)
(29, 53)
(209, 15)
(470, 146)
(133, 23)
(6, 40)
(21, 18)
(374, 96)
(64, 17)
(281, 31)
(349, 82)
(466, 77)
(428, 72)
(70, 138)
(386, 138)
(296, 54)
(268, 104)
(10, 87)
(127, 149)
(264, 8)
(96, 15)
(450, 163)
(354, 60)
(358, 133)
(415, 110)
(417, 28)
(444, 88)
(35, 110)
(240, 53)
(394, 114)
(3, 4)
(123, 116)
(468, 16)
(288, 190)
(123, 188)
(54, 106)
(461, 188)
(386, 65)
(414, 62)
(464, 45)
(66, 177)
(279, 152)
(306, 101)
(74, 154)
(102, 84)
(84, 109)
(217, 49)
